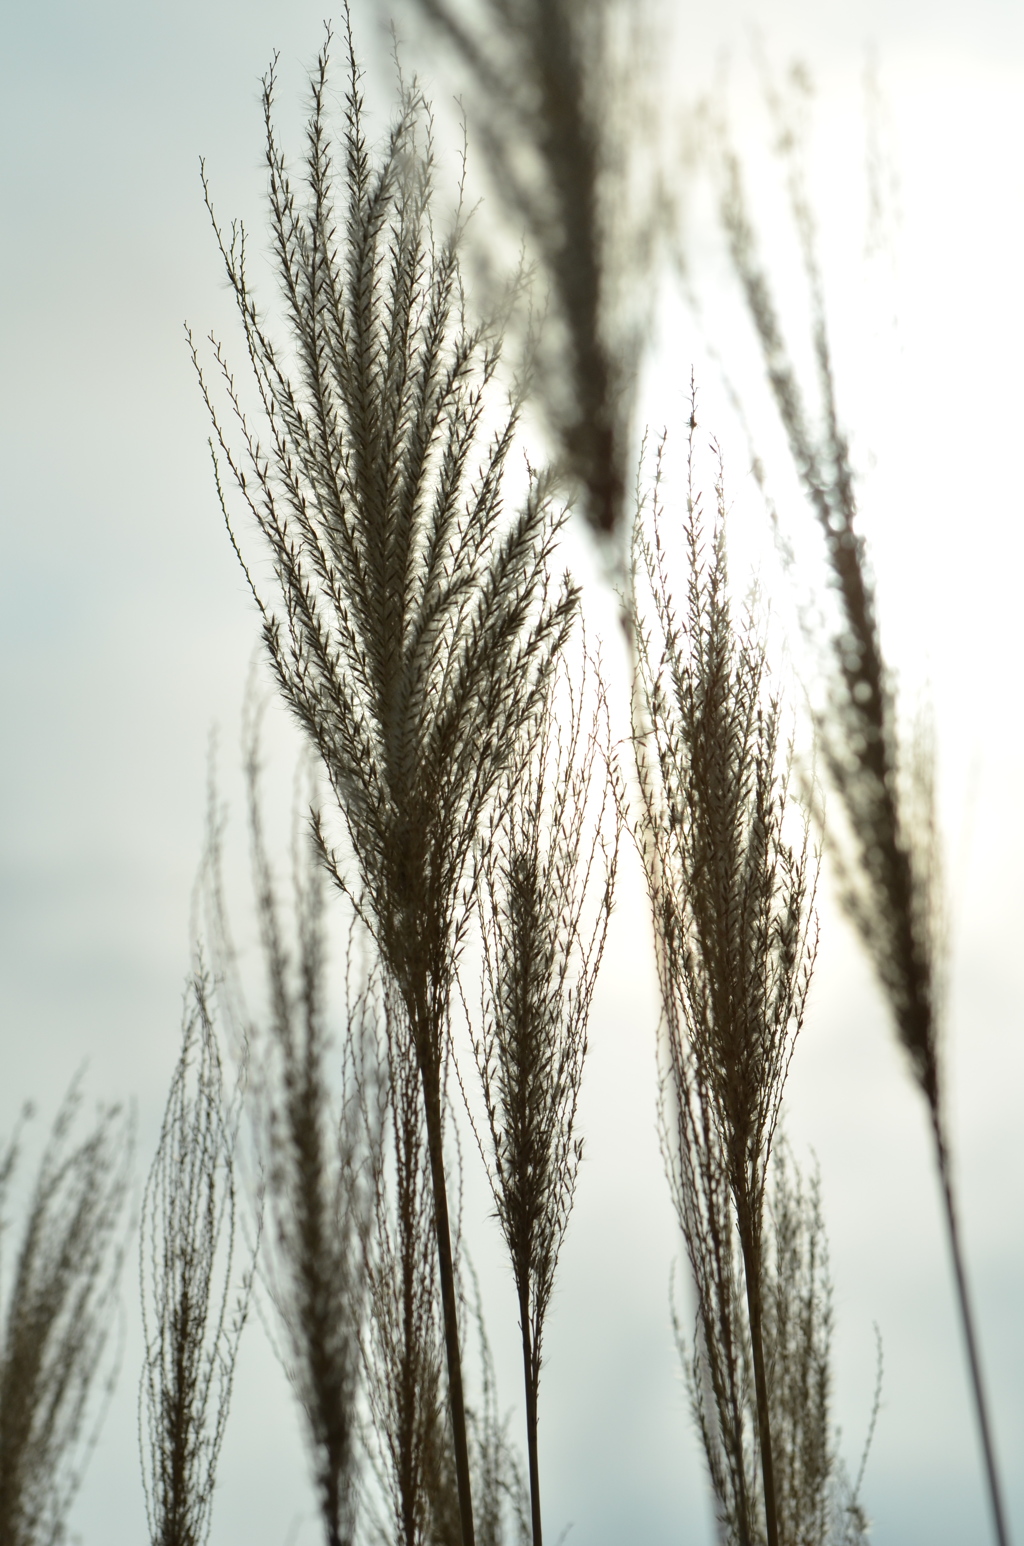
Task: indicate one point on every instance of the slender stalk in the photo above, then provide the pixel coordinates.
(531, 1380)
(449, 1306)
(967, 1325)
(752, 1268)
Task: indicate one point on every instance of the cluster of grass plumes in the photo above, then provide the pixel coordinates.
(546, 884)
(417, 635)
(887, 860)
(732, 903)
(57, 1310)
(193, 1310)
(545, 98)
(413, 630)
(467, 810)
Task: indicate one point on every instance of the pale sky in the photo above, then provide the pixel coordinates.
(127, 633)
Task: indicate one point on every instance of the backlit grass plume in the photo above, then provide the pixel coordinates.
(816, 1500)
(544, 101)
(547, 871)
(408, 622)
(731, 898)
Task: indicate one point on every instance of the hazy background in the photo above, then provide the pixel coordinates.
(127, 633)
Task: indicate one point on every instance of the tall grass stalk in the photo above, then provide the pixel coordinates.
(409, 624)
(889, 865)
(732, 904)
(415, 632)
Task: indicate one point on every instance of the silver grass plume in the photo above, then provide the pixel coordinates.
(547, 878)
(798, 1346)
(412, 631)
(732, 903)
(816, 1502)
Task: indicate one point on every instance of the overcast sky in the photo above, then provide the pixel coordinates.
(127, 634)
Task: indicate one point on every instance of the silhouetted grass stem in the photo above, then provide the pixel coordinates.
(969, 1334)
(752, 1271)
(449, 1305)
